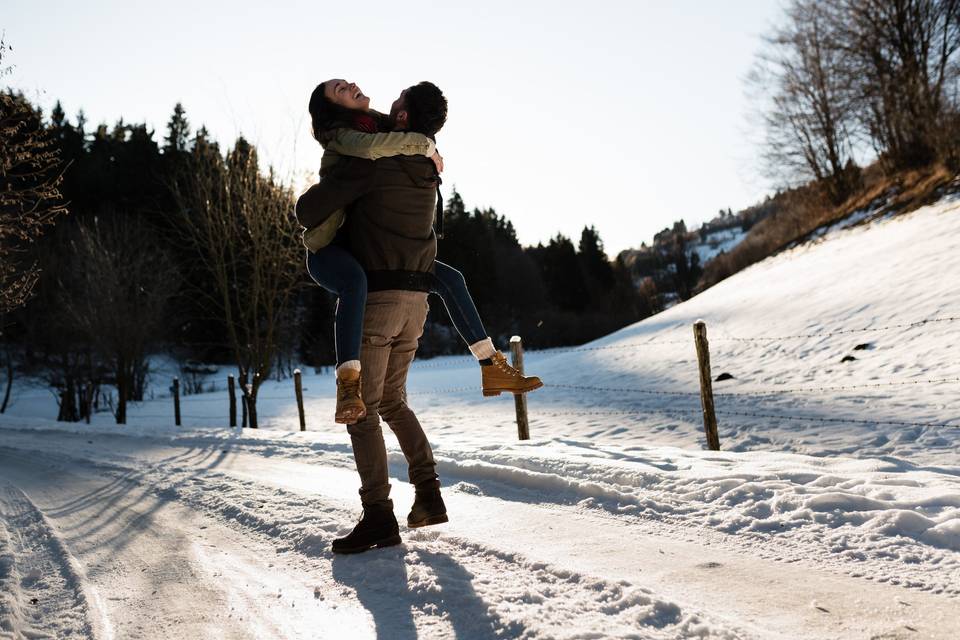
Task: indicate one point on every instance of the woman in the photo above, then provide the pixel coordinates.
(343, 123)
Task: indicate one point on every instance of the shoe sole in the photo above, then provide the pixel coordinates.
(495, 392)
(426, 522)
(392, 541)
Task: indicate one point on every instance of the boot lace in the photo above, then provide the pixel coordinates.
(501, 363)
(348, 389)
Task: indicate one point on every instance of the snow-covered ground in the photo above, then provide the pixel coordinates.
(717, 242)
(833, 510)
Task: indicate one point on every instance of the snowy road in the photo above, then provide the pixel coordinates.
(221, 541)
(151, 566)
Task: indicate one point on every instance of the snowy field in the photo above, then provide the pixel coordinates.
(833, 510)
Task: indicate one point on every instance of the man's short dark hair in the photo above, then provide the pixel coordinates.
(426, 108)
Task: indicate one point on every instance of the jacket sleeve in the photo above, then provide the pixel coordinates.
(380, 145)
(328, 161)
(347, 181)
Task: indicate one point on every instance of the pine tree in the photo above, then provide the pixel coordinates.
(562, 275)
(203, 146)
(81, 122)
(593, 259)
(178, 131)
(58, 117)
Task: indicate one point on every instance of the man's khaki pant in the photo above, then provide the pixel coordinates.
(392, 325)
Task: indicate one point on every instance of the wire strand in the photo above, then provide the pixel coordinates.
(901, 423)
(839, 332)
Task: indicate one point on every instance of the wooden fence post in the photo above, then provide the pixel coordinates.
(519, 399)
(298, 386)
(176, 401)
(232, 391)
(706, 386)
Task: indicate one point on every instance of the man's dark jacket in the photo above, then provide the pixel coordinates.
(390, 206)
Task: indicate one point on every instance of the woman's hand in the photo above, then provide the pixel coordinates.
(438, 161)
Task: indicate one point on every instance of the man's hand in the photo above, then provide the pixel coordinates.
(438, 161)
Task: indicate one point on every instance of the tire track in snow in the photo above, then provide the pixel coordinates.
(436, 586)
(169, 570)
(43, 593)
(457, 588)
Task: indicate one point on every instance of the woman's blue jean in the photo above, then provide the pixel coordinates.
(450, 285)
(336, 270)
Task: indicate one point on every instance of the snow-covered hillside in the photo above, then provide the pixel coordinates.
(833, 510)
(714, 243)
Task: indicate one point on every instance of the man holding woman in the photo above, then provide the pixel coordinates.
(388, 230)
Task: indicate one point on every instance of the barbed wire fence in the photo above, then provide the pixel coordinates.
(747, 407)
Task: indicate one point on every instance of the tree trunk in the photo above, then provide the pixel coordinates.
(6, 394)
(68, 406)
(81, 405)
(138, 385)
(88, 395)
(252, 400)
(252, 410)
(121, 373)
(243, 398)
(64, 401)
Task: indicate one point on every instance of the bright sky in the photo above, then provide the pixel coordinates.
(624, 115)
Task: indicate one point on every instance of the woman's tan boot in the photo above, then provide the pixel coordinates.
(499, 376)
(350, 407)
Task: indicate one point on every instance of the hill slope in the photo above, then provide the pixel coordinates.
(841, 290)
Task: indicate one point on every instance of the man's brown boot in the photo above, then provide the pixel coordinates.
(499, 376)
(350, 407)
(428, 509)
(377, 528)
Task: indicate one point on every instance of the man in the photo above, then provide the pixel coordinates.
(390, 232)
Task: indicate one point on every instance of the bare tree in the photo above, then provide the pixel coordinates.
(242, 227)
(903, 57)
(116, 292)
(808, 112)
(55, 349)
(7, 352)
(30, 176)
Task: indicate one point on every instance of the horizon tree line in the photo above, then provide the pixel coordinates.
(177, 247)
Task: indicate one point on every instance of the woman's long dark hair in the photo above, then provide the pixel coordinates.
(326, 116)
